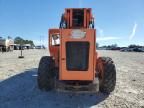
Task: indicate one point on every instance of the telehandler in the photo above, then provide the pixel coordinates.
(73, 63)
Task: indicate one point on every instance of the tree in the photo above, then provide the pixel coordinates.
(132, 46)
(31, 42)
(9, 37)
(114, 45)
(19, 40)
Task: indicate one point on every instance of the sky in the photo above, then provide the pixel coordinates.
(118, 22)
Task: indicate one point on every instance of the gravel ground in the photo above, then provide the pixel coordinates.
(18, 85)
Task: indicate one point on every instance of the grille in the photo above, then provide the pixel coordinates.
(77, 56)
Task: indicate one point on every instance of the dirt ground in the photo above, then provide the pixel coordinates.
(18, 83)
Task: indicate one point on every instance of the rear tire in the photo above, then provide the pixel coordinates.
(46, 73)
(108, 80)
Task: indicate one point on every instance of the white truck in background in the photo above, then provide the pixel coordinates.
(6, 44)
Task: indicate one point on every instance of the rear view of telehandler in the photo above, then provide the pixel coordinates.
(73, 63)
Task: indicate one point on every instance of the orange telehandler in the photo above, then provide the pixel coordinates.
(73, 63)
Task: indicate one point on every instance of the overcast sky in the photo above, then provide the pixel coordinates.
(117, 21)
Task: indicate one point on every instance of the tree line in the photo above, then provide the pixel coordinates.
(21, 41)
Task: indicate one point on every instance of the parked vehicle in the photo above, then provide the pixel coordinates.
(6, 45)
